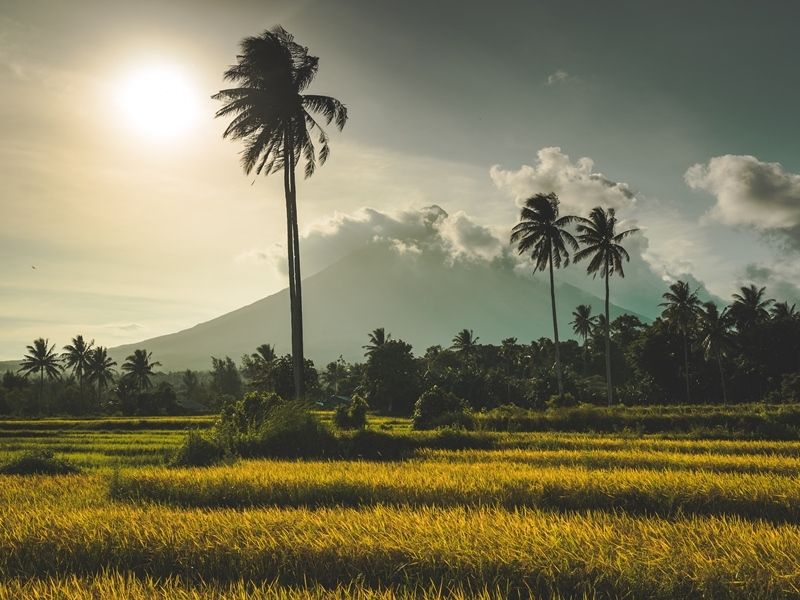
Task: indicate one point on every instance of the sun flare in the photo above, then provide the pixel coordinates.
(158, 101)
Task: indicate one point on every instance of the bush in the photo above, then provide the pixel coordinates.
(561, 401)
(376, 445)
(38, 462)
(438, 408)
(197, 451)
(352, 415)
(289, 431)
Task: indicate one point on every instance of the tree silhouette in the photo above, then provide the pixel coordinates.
(100, 368)
(465, 343)
(680, 312)
(750, 307)
(41, 358)
(377, 339)
(602, 245)
(76, 357)
(275, 119)
(781, 311)
(541, 232)
(138, 368)
(583, 323)
(715, 337)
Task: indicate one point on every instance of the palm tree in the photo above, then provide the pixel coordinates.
(377, 338)
(583, 322)
(715, 337)
(601, 242)
(138, 368)
(274, 118)
(265, 353)
(41, 358)
(76, 357)
(541, 232)
(465, 343)
(750, 307)
(781, 311)
(680, 311)
(100, 369)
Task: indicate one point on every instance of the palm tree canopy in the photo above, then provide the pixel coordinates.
(715, 329)
(541, 232)
(582, 321)
(138, 368)
(42, 358)
(76, 355)
(782, 311)
(681, 306)
(269, 107)
(377, 338)
(265, 353)
(602, 243)
(465, 342)
(100, 366)
(749, 306)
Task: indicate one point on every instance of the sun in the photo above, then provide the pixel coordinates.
(158, 101)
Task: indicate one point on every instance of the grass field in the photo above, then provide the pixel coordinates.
(550, 515)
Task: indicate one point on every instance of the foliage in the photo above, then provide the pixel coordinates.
(197, 450)
(37, 462)
(391, 378)
(352, 415)
(438, 408)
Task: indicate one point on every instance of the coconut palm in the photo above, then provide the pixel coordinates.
(100, 368)
(41, 358)
(465, 343)
(583, 322)
(750, 307)
(76, 357)
(602, 245)
(542, 232)
(782, 311)
(680, 311)
(377, 338)
(138, 368)
(275, 119)
(715, 337)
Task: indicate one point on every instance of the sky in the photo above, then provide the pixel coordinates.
(125, 215)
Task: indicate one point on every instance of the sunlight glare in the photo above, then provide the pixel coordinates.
(158, 101)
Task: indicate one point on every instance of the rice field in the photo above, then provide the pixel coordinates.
(542, 515)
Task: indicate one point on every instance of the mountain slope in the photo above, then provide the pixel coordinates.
(418, 298)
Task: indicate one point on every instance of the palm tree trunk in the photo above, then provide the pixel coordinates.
(555, 330)
(722, 379)
(41, 386)
(608, 345)
(686, 365)
(295, 308)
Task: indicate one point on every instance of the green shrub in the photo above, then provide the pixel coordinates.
(561, 400)
(197, 450)
(352, 415)
(376, 445)
(290, 431)
(438, 408)
(38, 462)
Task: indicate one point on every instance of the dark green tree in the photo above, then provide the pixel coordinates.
(138, 368)
(377, 338)
(42, 359)
(76, 358)
(750, 307)
(274, 117)
(715, 337)
(681, 307)
(100, 369)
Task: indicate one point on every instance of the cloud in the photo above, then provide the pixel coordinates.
(560, 77)
(578, 185)
(430, 230)
(779, 280)
(751, 193)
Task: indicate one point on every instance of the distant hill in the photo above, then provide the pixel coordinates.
(419, 298)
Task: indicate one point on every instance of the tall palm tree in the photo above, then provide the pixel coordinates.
(275, 119)
(602, 244)
(680, 311)
(100, 369)
(715, 337)
(465, 343)
(750, 307)
(41, 358)
(781, 311)
(583, 322)
(76, 357)
(265, 353)
(541, 232)
(377, 338)
(138, 368)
